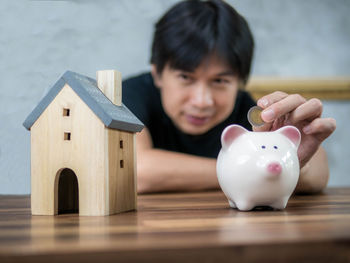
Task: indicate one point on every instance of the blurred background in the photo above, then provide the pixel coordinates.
(40, 40)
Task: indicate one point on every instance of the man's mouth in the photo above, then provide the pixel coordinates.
(197, 120)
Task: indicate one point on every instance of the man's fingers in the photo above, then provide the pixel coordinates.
(282, 107)
(323, 127)
(270, 99)
(307, 111)
(265, 127)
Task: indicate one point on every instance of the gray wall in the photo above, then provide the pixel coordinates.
(40, 40)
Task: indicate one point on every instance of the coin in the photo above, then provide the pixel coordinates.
(254, 116)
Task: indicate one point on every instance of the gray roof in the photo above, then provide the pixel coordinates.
(113, 116)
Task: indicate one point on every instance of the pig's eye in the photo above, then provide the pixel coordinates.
(263, 146)
(275, 147)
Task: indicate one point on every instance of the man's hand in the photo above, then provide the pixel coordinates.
(281, 109)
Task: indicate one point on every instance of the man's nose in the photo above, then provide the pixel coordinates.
(201, 96)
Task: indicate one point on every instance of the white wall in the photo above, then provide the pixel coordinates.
(40, 40)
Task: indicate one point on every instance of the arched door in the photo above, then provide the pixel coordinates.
(68, 192)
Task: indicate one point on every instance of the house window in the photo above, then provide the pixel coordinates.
(67, 136)
(121, 163)
(121, 145)
(66, 112)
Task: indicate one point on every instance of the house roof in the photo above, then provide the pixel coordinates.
(113, 116)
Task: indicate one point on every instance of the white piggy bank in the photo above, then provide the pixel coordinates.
(258, 168)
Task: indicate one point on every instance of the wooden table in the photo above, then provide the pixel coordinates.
(182, 227)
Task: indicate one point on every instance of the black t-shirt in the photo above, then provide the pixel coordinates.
(142, 97)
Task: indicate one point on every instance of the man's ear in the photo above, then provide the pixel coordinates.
(156, 76)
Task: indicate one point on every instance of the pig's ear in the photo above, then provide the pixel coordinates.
(292, 134)
(230, 134)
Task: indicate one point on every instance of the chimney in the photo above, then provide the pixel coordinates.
(110, 83)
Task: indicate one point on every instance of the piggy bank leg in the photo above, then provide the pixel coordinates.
(280, 204)
(232, 204)
(244, 205)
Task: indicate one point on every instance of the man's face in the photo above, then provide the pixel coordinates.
(197, 101)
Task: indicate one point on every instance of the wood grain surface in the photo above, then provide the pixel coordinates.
(332, 88)
(182, 227)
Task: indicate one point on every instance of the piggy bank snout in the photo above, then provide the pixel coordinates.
(274, 168)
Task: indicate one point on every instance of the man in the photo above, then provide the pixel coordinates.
(201, 56)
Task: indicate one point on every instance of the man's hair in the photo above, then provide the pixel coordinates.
(193, 30)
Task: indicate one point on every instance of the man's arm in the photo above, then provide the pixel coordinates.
(161, 170)
(315, 174)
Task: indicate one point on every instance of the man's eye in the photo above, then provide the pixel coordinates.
(184, 76)
(220, 81)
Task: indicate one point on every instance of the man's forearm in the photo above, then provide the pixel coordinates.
(314, 175)
(160, 170)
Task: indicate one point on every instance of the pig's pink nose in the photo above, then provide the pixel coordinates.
(274, 168)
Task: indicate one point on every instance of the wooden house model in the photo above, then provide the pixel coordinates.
(83, 148)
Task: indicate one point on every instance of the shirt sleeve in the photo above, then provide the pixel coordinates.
(136, 99)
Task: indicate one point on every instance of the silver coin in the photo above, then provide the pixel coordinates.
(254, 116)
